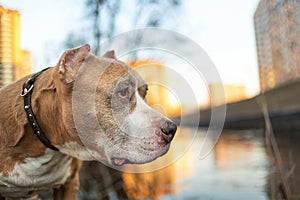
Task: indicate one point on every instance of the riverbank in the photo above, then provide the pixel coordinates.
(282, 103)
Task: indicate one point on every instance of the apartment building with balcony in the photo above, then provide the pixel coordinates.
(277, 31)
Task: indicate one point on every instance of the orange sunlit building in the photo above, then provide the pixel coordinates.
(14, 61)
(232, 93)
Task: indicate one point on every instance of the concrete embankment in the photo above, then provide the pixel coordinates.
(283, 104)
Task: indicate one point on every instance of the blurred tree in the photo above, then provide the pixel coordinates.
(103, 18)
(73, 40)
(97, 9)
(147, 13)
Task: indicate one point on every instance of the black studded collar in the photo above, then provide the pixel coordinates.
(26, 93)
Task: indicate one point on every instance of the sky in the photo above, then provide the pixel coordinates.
(224, 29)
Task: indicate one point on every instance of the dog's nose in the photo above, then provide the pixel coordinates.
(168, 129)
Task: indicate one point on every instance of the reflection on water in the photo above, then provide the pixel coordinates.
(237, 168)
(285, 166)
(151, 185)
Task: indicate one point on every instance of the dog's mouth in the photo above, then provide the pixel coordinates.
(120, 161)
(123, 161)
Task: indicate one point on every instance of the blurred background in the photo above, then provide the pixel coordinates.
(255, 46)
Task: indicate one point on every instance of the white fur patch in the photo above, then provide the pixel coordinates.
(46, 171)
(75, 150)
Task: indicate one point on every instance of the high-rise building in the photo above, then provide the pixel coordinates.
(277, 30)
(14, 62)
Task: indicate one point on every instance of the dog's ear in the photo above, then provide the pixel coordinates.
(71, 61)
(110, 54)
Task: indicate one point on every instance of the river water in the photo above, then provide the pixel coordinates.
(238, 167)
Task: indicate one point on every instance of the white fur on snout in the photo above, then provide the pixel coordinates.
(139, 122)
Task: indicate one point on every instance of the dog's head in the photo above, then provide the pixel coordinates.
(129, 130)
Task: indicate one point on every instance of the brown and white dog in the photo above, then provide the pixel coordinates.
(29, 168)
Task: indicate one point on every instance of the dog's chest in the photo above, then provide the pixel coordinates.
(36, 174)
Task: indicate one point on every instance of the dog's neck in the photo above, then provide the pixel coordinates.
(45, 105)
(17, 137)
(49, 112)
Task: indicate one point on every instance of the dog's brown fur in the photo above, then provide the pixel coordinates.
(17, 140)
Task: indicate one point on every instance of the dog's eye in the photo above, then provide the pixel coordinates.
(124, 94)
